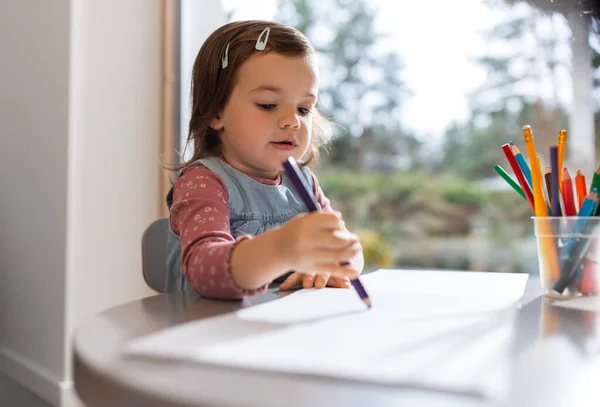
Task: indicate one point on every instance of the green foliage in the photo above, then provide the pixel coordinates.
(459, 192)
(506, 216)
(376, 250)
(401, 187)
(405, 201)
(412, 207)
(344, 185)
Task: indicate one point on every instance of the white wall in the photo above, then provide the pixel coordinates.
(114, 146)
(34, 85)
(79, 112)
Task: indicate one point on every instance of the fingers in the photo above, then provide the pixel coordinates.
(321, 280)
(309, 280)
(339, 215)
(317, 280)
(338, 282)
(336, 256)
(337, 270)
(336, 239)
(292, 281)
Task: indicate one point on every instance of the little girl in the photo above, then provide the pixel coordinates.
(236, 222)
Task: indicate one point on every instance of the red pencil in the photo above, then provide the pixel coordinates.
(587, 282)
(519, 174)
(567, 193)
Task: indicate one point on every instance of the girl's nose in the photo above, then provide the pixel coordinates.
(290, 119)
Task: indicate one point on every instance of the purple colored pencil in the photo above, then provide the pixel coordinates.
(555, 198)
(292, 169)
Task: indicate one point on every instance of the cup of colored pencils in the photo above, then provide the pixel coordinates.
(565, 217)
(568, 254)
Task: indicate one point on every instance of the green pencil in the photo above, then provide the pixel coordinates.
(596, 180)
(509, 180)
(596, 184)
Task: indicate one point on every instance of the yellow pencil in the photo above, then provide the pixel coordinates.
(562, 141)
(547, 246)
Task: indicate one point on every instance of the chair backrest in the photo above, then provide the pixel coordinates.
(154, 244)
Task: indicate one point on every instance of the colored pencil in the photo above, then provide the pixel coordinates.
(296, 177)
(596, 182)
(555, 198)
(540, 208)
(587, 283)
(547, 202)
(548, 178)
(580, 186)
(519, 174)
(562, 140)
(509, 180)
(577, 229)
(586, 276)
(576, 248)
(522, 163)
(547, 245)
(589, 203)
(567, 193)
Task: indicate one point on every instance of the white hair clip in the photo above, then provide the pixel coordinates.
(225, 58)
(260, 45)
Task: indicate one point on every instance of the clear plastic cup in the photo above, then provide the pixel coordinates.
(568, 250)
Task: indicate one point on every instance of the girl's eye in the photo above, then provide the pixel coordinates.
(303, 111)
(267, 106)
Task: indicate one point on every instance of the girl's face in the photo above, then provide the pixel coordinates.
(268, 116)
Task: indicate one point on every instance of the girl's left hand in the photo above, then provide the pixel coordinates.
(317, 280)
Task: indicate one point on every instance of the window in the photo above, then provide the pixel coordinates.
(426, 94)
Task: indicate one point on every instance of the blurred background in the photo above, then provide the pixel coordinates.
(424, 95)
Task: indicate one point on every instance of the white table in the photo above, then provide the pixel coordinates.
(104, 376)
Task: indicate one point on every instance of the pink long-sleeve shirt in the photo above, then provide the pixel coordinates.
(200, 216)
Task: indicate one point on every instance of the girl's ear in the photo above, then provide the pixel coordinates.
(216, 123)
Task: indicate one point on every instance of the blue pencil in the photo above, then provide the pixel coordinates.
(296, 176)
(587, 208)
(522, 164)
(525, 168)
(577, 247)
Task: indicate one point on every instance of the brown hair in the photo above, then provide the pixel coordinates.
(212, 85)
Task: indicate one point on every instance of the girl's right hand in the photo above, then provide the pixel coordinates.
(318, 242)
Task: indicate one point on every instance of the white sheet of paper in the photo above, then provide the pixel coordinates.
(422, 326)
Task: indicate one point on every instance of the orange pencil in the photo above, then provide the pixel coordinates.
(536, 174)
(567, 193)
(548, 248)
(562, 141)
(581, 188)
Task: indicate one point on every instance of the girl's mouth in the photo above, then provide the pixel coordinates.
(284, 145)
